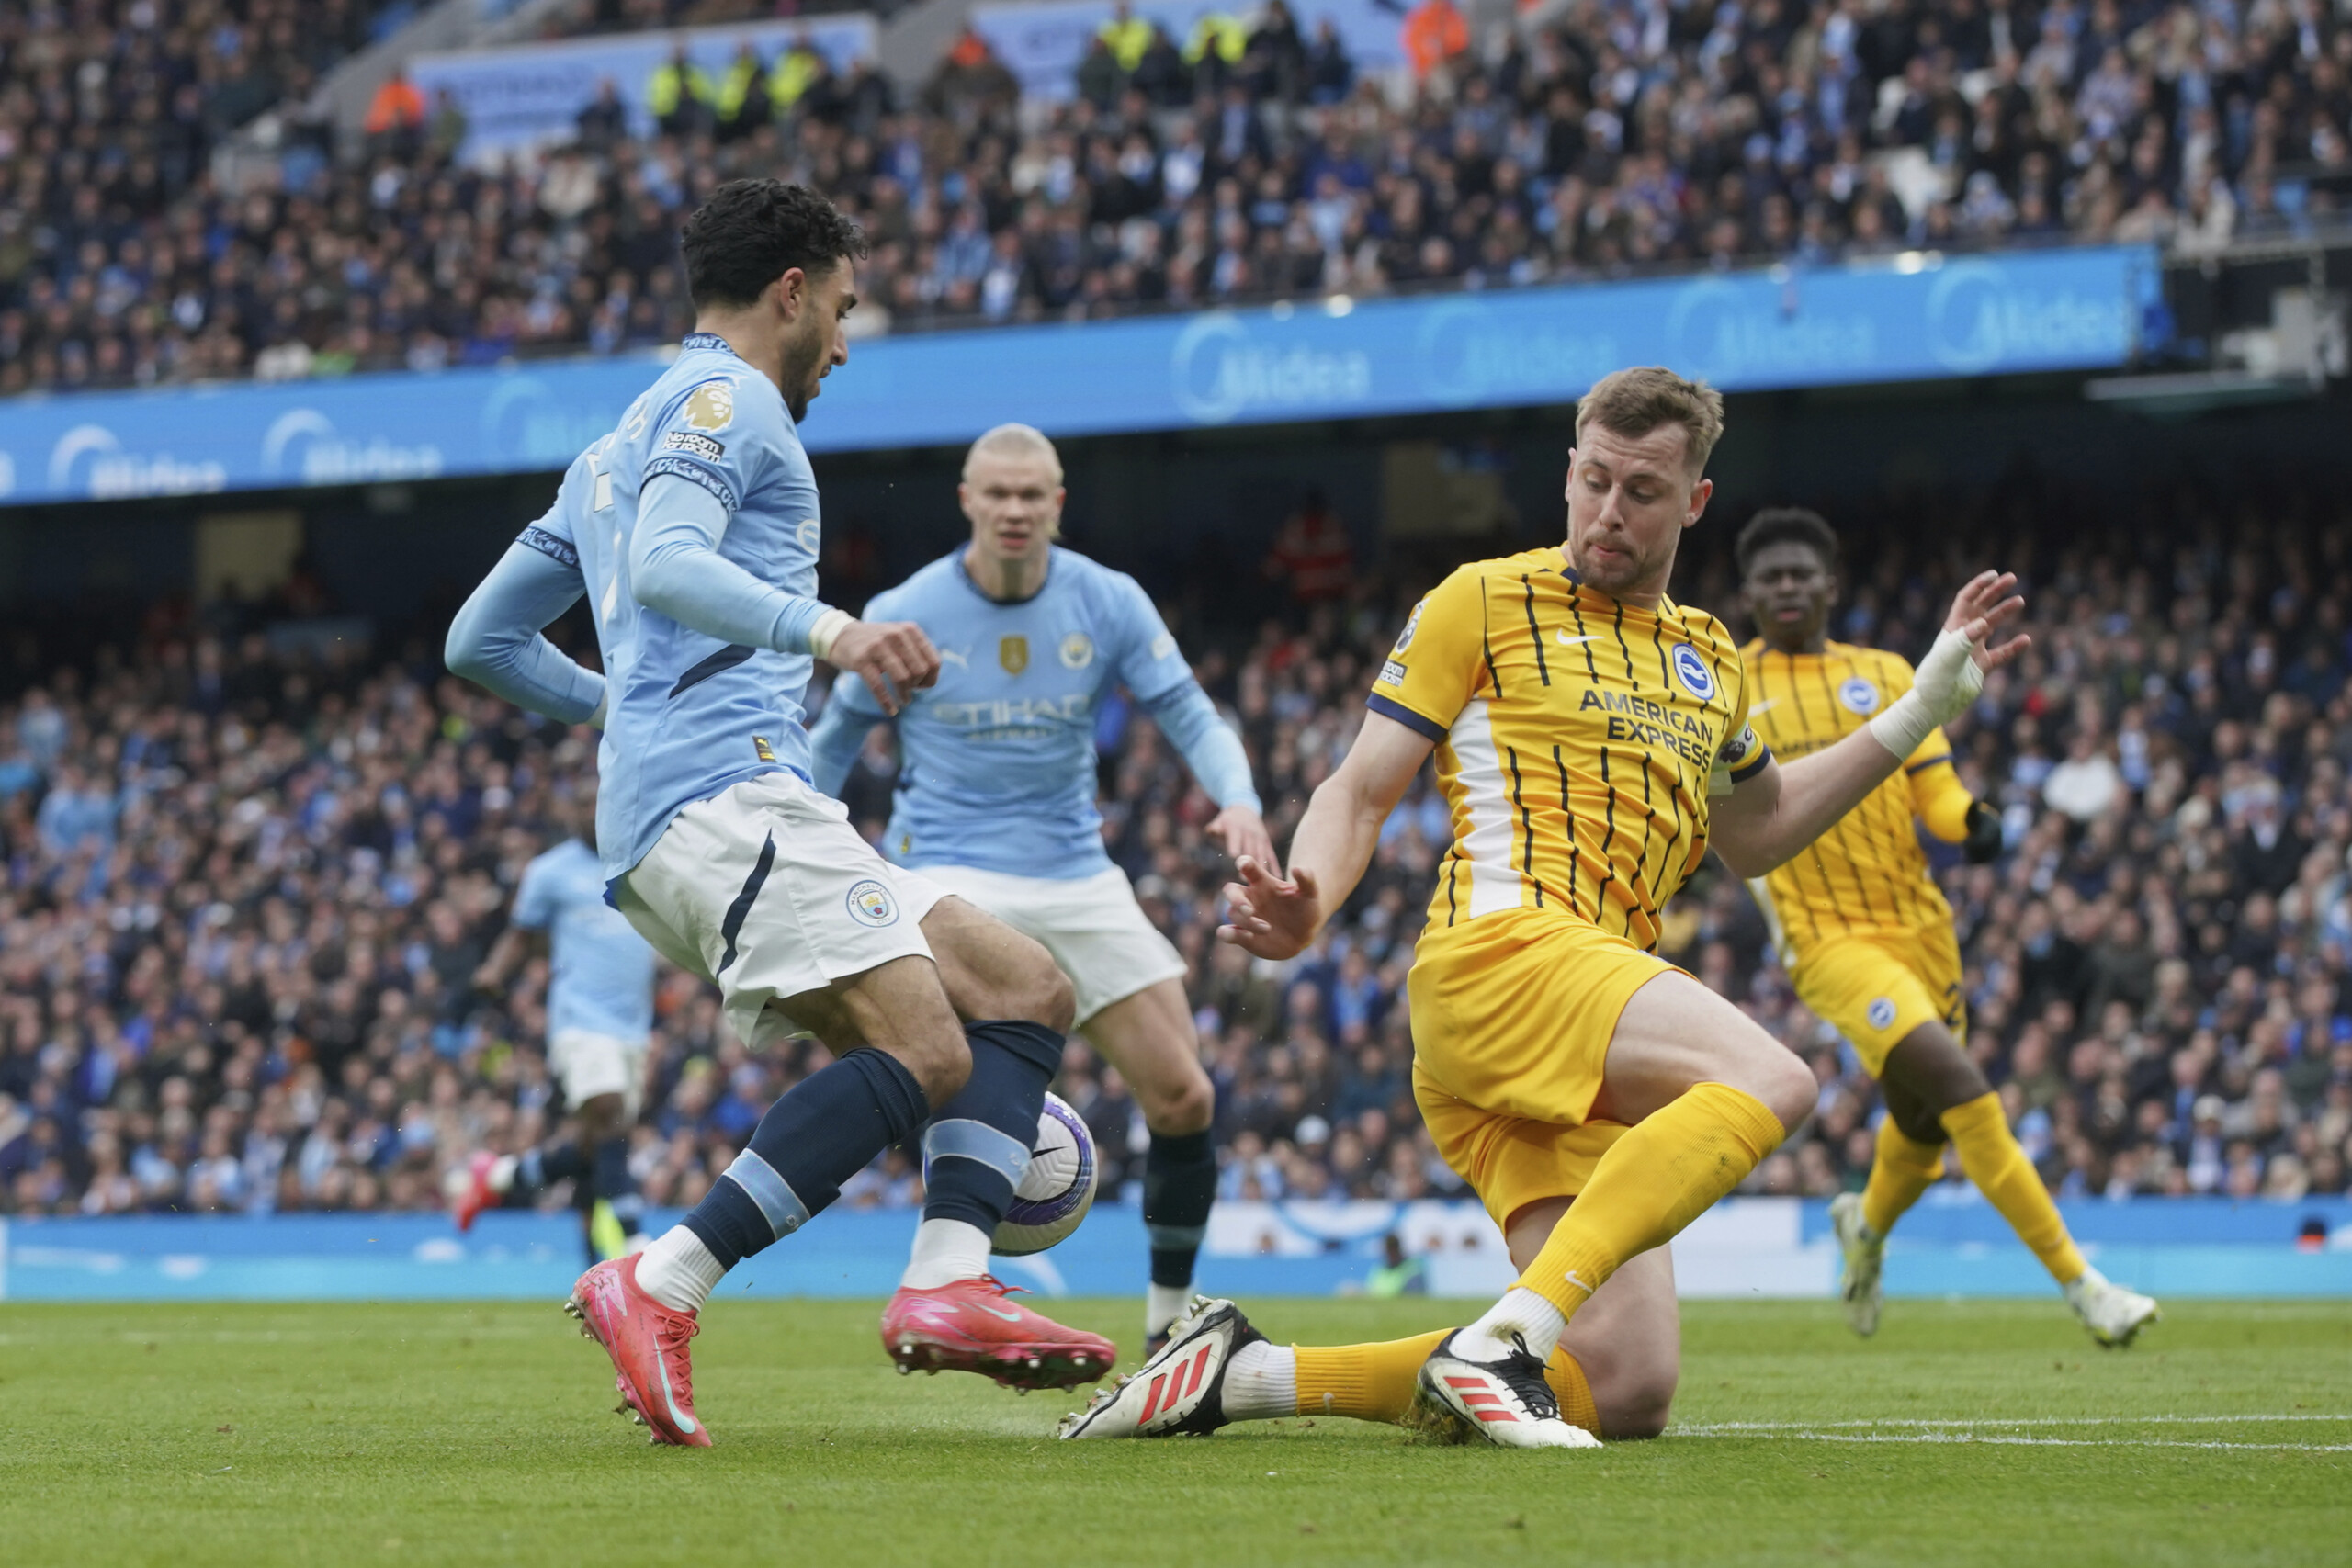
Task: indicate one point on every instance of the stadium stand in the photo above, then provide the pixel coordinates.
(1246, 164)
(246, 891)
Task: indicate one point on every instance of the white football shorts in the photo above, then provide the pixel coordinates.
(1098, 935)
(586, 1063)
(766, 889)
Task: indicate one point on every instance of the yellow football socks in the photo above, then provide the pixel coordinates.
(1903, 1169)
(1371, 1382)
(1659, 1177)
(1375, 1382)
(1575, 1394)
(1991, 1157)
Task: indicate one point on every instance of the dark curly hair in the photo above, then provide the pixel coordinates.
(1786, 525)
(752, 232)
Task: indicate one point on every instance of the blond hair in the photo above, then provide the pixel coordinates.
(1634, 401)
(1015, 441)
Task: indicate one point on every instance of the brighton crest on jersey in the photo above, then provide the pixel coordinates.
(999, 770)
(688, 715)
(602, 973)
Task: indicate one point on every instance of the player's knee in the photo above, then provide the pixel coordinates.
(1045, 996)
(1786, 1086)
(941, 1065)
(1190, 1107)
(600, 1116)
(1635, 1397)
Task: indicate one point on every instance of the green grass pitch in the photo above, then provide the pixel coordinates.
(1989, 1433)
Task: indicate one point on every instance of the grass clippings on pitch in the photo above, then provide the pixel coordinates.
(1990, 1433)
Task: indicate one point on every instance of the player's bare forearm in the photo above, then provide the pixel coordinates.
(504, 954)
(1276, 916)
(1765, 822)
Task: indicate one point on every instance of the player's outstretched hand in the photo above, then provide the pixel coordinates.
(1273, 915)
(1243, 833)
(893, 658)
(1980, 608)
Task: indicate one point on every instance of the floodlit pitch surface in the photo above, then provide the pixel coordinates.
(1987, 1432)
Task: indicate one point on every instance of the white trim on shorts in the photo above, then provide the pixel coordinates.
(1098, 934)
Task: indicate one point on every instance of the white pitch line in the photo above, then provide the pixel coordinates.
(1726, 1428)
(1971, 1438)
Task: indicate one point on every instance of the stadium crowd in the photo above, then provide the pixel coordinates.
(246, 894)
(1246, 161)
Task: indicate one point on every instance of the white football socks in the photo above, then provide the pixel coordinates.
(945, 1251)
(1163, 1304)
(678, 1270)
(1261, 1382)
(1521, 1312)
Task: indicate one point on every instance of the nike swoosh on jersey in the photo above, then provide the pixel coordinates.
(1764, 706)
(1567, 641)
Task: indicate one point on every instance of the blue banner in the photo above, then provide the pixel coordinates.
(533, 93)
(1955, 1243)
(1909, 318)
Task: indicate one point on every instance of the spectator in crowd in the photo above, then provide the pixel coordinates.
(396, 115)
(1193, 177)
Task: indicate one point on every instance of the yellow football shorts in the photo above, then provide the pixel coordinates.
(1512, 1016)
(1877, 987)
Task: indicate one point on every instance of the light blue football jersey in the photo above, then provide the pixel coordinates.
(688, 715)
(999, 757)
(602, 972)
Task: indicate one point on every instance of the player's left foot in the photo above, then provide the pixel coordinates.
(470, 1190)
(1865, 1256)
(1506, 1403)
(648, 1344)
(974, 1326)
(1181, 1389)
(2113, 1315)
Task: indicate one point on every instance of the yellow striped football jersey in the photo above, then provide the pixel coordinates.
(1868, 872)
(1579, 739)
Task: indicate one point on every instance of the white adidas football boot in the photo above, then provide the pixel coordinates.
(1180, 1391)
(1506, 1402)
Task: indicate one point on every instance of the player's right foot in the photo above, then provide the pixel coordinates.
(2113, 1315)
(974, 1326)
(1506, 1403)
(1865, 1256)
(648, 1344)
(1181, 1389)
(470, 1190)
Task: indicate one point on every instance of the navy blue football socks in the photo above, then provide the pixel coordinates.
(976, 1149)
(818, 1135)
(614, 1184)
(1179, 1185)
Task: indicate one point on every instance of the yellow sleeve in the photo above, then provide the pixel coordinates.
(1938, 797)
(1936, 793)
(1743, 753)
(1438, 660)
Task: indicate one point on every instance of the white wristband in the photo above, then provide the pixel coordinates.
(829, 626)
(1945, 684)
(1905, 726)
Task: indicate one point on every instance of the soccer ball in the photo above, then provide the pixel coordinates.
(1057, 1188)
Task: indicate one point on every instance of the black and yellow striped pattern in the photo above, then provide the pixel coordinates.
(1575, 736)
(1867, 872)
